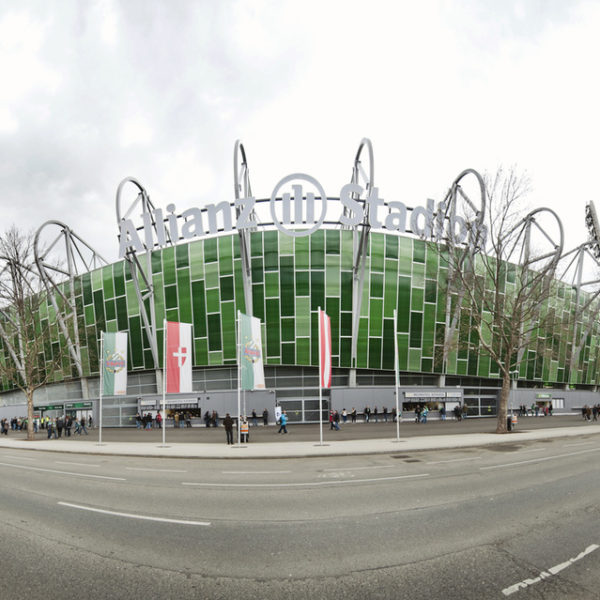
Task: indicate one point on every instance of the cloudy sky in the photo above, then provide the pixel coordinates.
(95, 91)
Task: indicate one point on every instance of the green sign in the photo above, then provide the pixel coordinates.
(49, 407)
(543, 396)
(80, 405)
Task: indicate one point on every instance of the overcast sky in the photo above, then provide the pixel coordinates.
(95, 91)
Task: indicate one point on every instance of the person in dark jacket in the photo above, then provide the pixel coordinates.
(228, 424)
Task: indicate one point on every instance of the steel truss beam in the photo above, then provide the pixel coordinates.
(242, 189)
(145, 294)
(59, 281)
(360, 244)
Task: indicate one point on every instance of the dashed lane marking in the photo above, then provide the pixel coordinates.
(254, 472)
(156, 470)
(549, 573)
(26, 468)
(451, 460)
(536, 460)
(134, 516)
(304, 484)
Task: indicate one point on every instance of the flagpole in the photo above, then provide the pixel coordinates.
(320, 383)
(239, 353)
(164, 378)
(101, 385)
(396, 374)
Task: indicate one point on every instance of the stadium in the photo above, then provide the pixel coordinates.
(281, 259)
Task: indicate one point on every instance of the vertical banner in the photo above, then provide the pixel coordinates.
(325, 349)
(114, 364)
(251, 360)
(178, 360)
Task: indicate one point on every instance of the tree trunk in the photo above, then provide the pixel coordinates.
(30, 434)
(501, 426)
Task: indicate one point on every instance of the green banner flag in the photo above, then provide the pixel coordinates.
(253, 376)
(114, 364)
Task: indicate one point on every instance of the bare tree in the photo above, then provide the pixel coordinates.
(502, 286)
(27, 362)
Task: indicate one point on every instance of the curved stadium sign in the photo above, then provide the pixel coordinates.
(298, 207)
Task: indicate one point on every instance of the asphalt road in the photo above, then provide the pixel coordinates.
(517, 520)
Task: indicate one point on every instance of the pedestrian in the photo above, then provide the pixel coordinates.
(265, 417)
(330, 420)
(254, 418)
(344, 415)
(336, 420)
(283, 422)
(216, 418)
(465, 411)
(188, 419)
(207, 419)
(176, 420)
(367, 414)
(138, 421)
(82, 426)
(244, 431)
(49, 428)
(424, 414)
(385, 414)
(159, 420)
(228, 424)
(375, 413)
(59, 427)
(418, 410)
(90, 423)
(443, 412)
(353, 415)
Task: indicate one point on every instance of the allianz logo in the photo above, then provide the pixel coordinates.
(298, 207)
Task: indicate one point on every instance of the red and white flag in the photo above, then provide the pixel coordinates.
(325, 349)
(178, 357)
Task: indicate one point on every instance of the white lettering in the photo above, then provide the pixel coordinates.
(246, 205)
(353, 206)
(193, 223)
(129, 238)
(213, 210)
(396, 221)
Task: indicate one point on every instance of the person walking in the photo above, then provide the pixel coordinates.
(245, 431)
(283, 422)
(367, 413)
(82, 426)
(228, 424)
(159, 420)
(265, 417)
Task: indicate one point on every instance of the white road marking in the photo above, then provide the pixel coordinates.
(439, 462)
(364, 468)
(155, 470)
(254, 472)
(64, 462)
(60, 472)
(551, 571)
(305, 484)
(18, 457)
(580, 444)
(534, 460)
(132, 516)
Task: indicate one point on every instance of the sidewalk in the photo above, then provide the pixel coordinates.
(303, 440)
